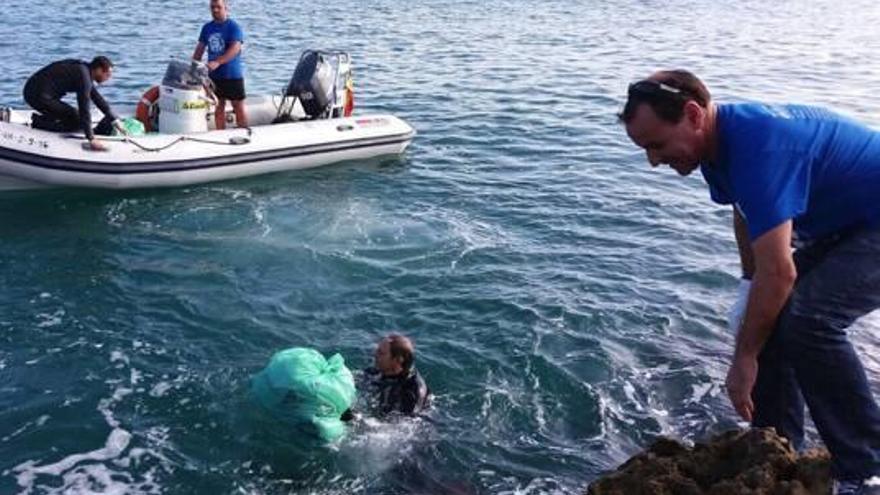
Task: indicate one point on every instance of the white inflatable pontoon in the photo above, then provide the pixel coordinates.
(33, 158)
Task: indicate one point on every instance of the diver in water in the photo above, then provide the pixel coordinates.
(394, 385)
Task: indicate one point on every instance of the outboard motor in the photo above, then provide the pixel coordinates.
(183, 102)
(312, 83)
(322, 83)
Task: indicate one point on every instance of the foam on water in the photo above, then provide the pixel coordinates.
(373, 446)
(102, 470)
(105, 469)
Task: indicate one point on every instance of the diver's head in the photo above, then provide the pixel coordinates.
(101, 68)
(394, 355)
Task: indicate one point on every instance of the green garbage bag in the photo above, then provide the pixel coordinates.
(133, 126)
(300, 386)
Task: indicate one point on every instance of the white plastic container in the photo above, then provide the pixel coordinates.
(182, 111)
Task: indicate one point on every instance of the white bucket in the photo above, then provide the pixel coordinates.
(182, 111)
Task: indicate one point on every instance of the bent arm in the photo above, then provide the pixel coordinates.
(199, 51)
(773, 280)
(102, 104)
(230, 53)
(409, 401)
(415, 398)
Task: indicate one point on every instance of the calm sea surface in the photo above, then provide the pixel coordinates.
(567, 301)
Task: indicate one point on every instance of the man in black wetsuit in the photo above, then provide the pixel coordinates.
(394, 384)
(44, 90)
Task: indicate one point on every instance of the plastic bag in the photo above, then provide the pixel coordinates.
(300, 386)
(133, 127)
(737, 312)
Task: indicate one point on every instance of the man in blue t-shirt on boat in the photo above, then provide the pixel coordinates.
(797, 176)
(223, 39)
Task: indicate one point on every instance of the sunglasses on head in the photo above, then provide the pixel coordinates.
(652, 88)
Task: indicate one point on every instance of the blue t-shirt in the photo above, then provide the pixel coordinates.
(795, 162)
(217, 36)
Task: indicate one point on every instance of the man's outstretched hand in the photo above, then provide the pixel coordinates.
(740, 382)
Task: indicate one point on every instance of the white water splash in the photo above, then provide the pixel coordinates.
(375, 446)
(102, 470)
(50, 319)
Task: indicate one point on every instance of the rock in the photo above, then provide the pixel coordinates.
(745, 462)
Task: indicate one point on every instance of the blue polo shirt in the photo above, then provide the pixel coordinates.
(795, 162)
(217, 36)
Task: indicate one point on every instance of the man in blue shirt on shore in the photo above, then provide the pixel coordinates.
(223, 39)
(796, 176)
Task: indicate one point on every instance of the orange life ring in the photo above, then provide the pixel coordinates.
(146, 108)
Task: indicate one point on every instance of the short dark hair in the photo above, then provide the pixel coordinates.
(100, 62)
(401, 348)
(666, 92)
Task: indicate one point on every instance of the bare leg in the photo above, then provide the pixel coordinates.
(240, 113)
(220, 114)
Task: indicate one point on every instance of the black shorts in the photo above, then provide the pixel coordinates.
(229, 89)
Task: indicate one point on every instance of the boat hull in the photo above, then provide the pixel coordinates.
(31, 158)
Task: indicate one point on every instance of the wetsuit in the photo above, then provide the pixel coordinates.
(406, 393)
(44, 90)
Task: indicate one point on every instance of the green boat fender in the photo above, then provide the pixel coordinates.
(300, 386)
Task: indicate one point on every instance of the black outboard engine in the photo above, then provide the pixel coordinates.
(322, 83)
(313, 82)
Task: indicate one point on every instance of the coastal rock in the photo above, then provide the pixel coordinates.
(745, 462)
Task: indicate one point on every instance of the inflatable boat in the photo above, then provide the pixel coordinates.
(310, 125)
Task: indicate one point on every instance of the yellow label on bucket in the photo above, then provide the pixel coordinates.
(194, 105)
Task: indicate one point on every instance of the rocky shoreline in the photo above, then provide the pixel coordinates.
(755, 461)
